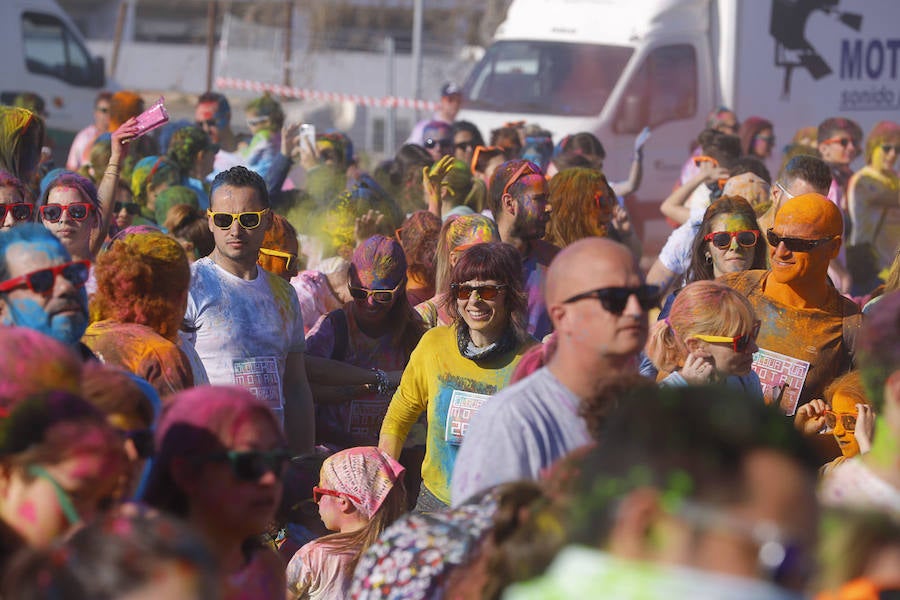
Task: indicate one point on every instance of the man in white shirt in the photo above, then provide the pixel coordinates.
(248, 329)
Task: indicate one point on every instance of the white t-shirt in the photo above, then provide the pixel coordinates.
(676, 254)
(244, 329)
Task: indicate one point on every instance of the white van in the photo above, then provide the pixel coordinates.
(43, 52)
(613, 66)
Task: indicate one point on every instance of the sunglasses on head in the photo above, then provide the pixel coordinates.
(848, 420)
(843, 141)
(615, 299)
(432, 143)
(130, 207)
(79, 211)
(886, 148)
(250, 465)
(318, 492)
(739, 343)
(380, 296)
(247, 220)
(485, 292)
(21, 211)
(795, 244)
(42, 281)
(722, 239)
(526, 169)
(289, 259)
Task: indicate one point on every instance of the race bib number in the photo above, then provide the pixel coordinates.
(463, 406)
(260, 377)
(782, 378)
(366, 417)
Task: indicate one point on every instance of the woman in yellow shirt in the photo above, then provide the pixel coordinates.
(456, 368)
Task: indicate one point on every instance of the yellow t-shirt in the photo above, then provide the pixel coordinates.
(451, 388)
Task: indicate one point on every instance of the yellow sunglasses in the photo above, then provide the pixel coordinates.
(248, 220)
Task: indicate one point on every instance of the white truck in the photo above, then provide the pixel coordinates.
(612, 67)
(44, 53)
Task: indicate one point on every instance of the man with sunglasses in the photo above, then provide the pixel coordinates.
(79, 151)
(41, 288)
(598, 302)
(246, 322)
(803, 316)
(518, 198)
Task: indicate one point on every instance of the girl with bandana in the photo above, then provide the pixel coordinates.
(360, 493)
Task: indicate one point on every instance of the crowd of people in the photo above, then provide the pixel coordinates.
(256, 367)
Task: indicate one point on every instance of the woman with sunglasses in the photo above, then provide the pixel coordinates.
(219, 465)
(377, 330)
(729, 240)
(874, 205)
(757, 138)
(455, 369)
(60, 465)
(456, 235)
(77, 212)
(708, 337)
(14, 203)
(360, 493)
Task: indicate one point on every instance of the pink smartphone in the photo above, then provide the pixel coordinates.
(153, 117)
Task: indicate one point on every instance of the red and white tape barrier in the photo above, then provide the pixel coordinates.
(304, 94)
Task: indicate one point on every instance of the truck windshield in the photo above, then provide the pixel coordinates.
(545, 77)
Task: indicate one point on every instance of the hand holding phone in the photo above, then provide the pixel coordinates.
(152, 118)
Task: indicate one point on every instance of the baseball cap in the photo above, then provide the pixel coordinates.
(450, 89)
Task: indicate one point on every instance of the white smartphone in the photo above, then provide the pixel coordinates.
(308, 136)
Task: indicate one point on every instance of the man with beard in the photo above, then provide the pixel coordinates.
(41, 287)
(519, 201)
(803, 316)
(598, 302)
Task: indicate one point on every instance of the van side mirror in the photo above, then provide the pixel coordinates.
(97, 75)
(630, 118)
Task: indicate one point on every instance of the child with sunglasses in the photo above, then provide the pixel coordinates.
(219, 465)
(360, 493)
(844, 413)
(708, 337)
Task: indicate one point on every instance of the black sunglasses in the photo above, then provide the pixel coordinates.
(253, 464)
(485, 292)
(722, 239)
(464, 146)
(130, 207)
(795, 244)
(21, 211)
(614, 299)
(886, 148)
(430, 143)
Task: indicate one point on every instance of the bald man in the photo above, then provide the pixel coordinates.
(803, 316)
(598, 304)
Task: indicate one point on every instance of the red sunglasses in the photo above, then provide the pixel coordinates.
(318, 492)
(43, 280)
